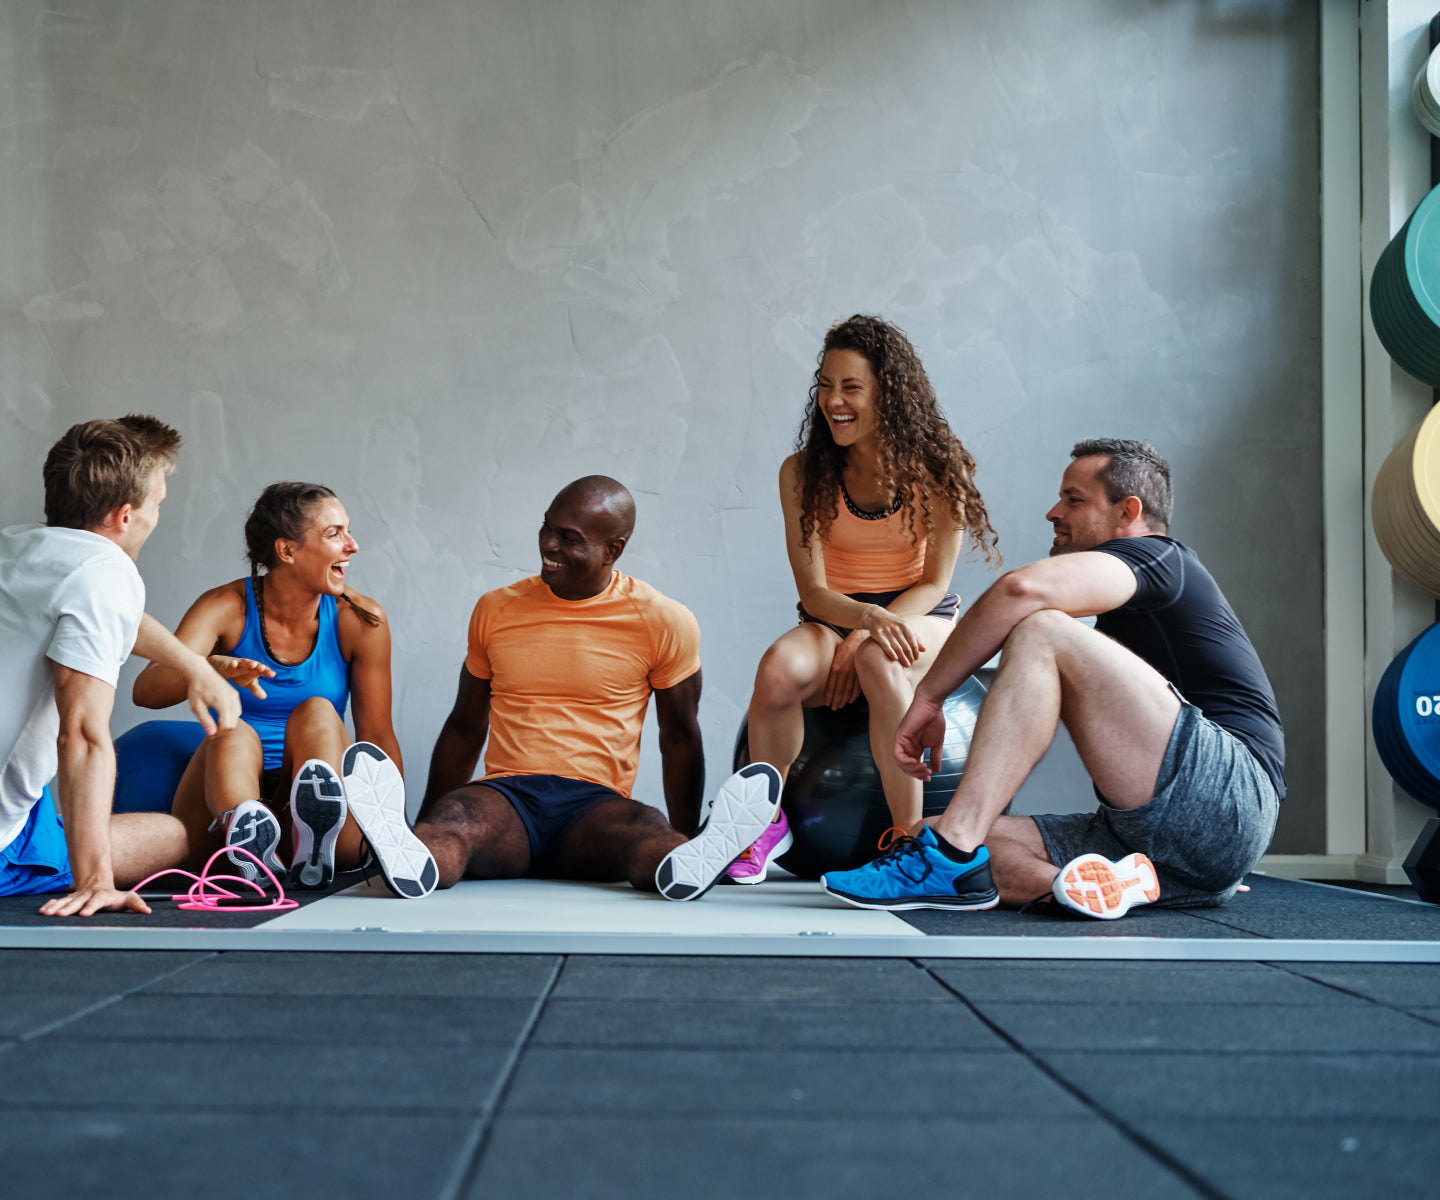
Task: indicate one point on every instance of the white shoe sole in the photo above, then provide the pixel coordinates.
(745, 804)
(317, 813)
(1093, 886)
(375, 793)
(254, 828)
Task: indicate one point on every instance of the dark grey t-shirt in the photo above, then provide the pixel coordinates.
(1180, 623)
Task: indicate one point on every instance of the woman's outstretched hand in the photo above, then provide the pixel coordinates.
(244, 673)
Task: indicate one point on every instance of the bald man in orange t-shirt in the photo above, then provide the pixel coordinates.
(558, 675)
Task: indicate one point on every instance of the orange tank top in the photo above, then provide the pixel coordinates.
(864, 554)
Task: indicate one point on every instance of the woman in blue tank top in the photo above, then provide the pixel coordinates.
(300, 645)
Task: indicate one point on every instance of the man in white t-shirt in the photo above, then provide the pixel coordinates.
(72, 608)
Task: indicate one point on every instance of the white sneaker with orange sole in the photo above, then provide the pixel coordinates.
(1094, 886)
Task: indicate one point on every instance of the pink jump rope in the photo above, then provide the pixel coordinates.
(207, 893)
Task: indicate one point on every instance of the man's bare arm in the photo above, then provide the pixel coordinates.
(1081, 585)
(682, 752)
(86, 787)
(205, 688)
(462, 737)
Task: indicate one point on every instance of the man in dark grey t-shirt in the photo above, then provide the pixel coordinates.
(1165, 700)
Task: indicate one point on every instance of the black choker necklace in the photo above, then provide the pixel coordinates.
(857, 511)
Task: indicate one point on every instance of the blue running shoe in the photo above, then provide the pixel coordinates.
(913, 873)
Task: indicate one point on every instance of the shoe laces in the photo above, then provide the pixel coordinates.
(207, 893)
(747, 855)
(897, 846)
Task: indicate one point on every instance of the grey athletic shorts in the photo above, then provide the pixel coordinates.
(1210, 820)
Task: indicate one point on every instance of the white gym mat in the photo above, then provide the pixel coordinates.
(548, 906)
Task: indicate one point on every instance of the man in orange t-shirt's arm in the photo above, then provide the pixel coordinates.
(558, 675)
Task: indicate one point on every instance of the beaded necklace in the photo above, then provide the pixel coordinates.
(856, 510)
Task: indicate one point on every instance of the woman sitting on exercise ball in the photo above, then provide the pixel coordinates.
(299, 644)
(877, 500)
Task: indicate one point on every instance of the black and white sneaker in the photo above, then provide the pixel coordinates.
(317, 811)
(375, 793)
(252, 826)
(743, 807)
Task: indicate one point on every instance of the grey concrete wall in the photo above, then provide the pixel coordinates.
(445, 255)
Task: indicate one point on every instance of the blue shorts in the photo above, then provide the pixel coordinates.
(37, 860)
(548, 806)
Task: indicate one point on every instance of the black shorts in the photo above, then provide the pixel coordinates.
(548, 806)
(947, 608)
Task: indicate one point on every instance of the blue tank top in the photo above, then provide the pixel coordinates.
(325, 673)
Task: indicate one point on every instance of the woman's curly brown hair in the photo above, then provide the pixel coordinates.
(918, 451)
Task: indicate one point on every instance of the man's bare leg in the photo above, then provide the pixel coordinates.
(144, 843)
(1021, 868)
(617, 839)
(1118, 709)
(474, 832)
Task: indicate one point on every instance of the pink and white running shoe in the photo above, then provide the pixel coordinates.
(753, 862)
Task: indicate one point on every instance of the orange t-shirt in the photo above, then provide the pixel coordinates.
(872, 556)
(570, 679)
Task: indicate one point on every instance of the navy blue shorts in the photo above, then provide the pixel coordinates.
(37, 860)
(548, 806)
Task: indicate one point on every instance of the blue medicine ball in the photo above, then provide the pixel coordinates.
(149, 761)
(833, 798)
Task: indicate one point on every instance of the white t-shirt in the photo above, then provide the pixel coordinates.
(67, 596)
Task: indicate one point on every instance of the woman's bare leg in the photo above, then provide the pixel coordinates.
(889, 688)
(791, 675)
(224, 771)
(316, 730)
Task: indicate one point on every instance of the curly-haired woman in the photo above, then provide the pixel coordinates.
(877, 499)
(301, 644)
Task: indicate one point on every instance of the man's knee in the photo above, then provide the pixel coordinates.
(1048, 627)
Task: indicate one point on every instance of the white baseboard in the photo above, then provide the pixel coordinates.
(1365, 868)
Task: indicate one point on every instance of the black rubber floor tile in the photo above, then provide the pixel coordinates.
(311, 1020)
(1288, 908)
(750, 979)
(864, 1158)
(783, 1083)
(1216, 1028)
(164, 913)
(1255, 1087)
(278, 973)
(783, 1025)
(1316, 1159)
(1139, 922)
(1132, 982)
(263, 1077)
(1405, 985)
(123, 1152)
(26, 1012)
(88, 972)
